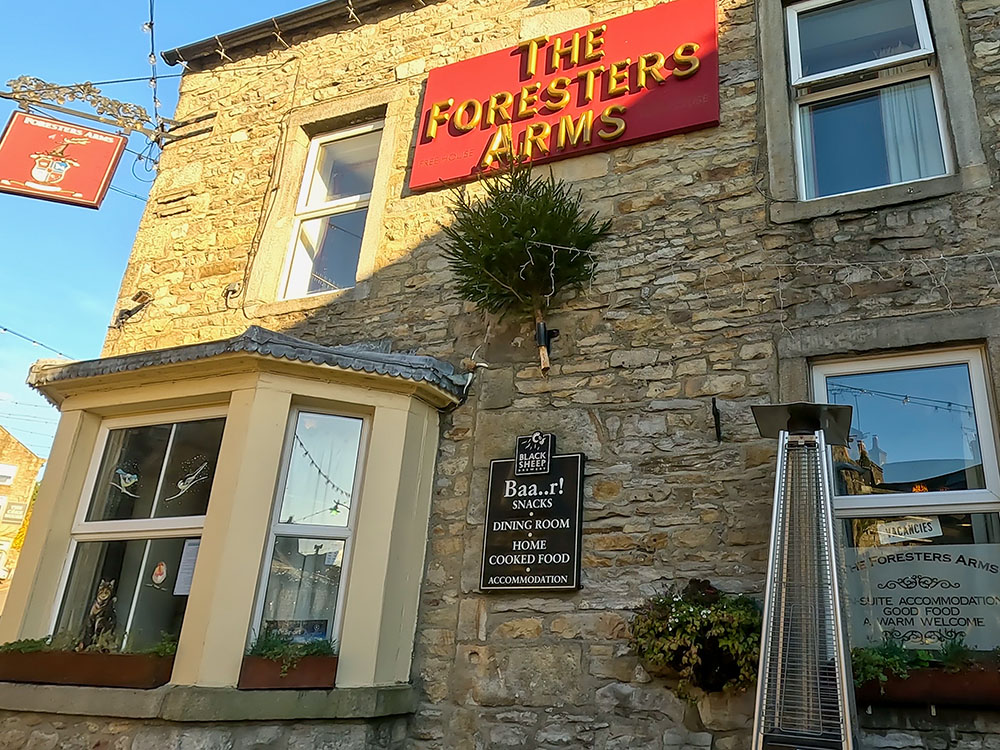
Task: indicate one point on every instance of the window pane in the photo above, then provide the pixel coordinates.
(871, 139)
(923, 580)
(912, 431)
(187, 481)
(124, 587)
(344, 168)
(302, 587)
(326, 255)
(858, 31)
(320, 481)
(130, 470)
(133, 481)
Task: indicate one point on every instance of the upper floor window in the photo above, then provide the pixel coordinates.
(7, 474)
(867, 100)
(332, 209)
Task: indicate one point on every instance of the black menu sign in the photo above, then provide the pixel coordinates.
(534, 511)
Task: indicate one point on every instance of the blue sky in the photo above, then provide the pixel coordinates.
(61, 266)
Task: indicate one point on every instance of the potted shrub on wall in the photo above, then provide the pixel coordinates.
(706, 640)
(62, 660)
(520, 245)
(275, 660)
(953, 675)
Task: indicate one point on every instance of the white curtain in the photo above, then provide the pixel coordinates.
(912, 141)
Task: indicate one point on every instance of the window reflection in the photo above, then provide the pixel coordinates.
(912, 431)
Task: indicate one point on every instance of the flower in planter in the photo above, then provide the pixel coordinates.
(710, 640)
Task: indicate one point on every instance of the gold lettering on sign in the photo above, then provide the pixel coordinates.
(559, 51)
(587, 76)
(618, 77)
(559, 96)
(684, 55)
(608, 118)
(536, 134)
(574, 133)
(499, 107)
(592, 44)
(527, 100)
(438, 116)
(461, 114)
(650, 63)
(532, 46)
(500, 147)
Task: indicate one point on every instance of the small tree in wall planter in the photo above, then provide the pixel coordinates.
(59, 660)
(274, 661)
(520, 245)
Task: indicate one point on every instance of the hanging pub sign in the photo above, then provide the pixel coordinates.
(629, 79)
(534, 512)
(59, 161)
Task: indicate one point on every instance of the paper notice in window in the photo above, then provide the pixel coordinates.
(185, 569)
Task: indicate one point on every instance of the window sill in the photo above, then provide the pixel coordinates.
(186, 703)
(259, 309)
(969, 178)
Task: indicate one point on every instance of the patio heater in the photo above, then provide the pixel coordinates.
(805, 699)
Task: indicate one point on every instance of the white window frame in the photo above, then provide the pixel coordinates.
(803, 96)
(127, 529)
(903, 503)
(304, 212)
(792, 12)
(345, 533)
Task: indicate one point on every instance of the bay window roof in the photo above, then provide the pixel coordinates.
(434, 380)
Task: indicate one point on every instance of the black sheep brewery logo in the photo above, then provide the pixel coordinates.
(51, 167)
(534, 514)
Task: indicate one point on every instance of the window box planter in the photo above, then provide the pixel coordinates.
(976, 686)
(141, 671)
(308, 672)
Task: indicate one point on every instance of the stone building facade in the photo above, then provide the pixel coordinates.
(20, 466)
(718, 288)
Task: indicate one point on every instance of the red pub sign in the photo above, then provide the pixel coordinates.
(629, 79)
(59, 161)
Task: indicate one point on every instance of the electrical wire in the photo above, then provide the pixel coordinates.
(33, 342)
(125, 192)
(152, 64)
(4, 401)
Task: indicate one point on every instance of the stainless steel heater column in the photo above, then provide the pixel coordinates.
(805, 696)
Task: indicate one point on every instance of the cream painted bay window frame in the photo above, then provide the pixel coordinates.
(82, 531)
(957, 501)
(305, 211)
(313, 531)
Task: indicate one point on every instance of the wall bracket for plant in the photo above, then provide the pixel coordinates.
(520, 244)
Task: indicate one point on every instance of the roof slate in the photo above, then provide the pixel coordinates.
(266, 343)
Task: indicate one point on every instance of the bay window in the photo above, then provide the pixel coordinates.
(866, 90)
(135, 540)
(917, 494)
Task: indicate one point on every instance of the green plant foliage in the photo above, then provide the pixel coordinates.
(710, 639)
(955, 656)
(166, 646)
(25, 646)
(277, 646)
(523, 242)
(887, 659)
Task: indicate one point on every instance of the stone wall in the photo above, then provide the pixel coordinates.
(27, 731)
(695, 292)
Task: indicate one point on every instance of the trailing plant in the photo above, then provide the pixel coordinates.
(709, 638)
(955, 655)
(107, 643)
(280, 647)
(25, 646)
(521, 244)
